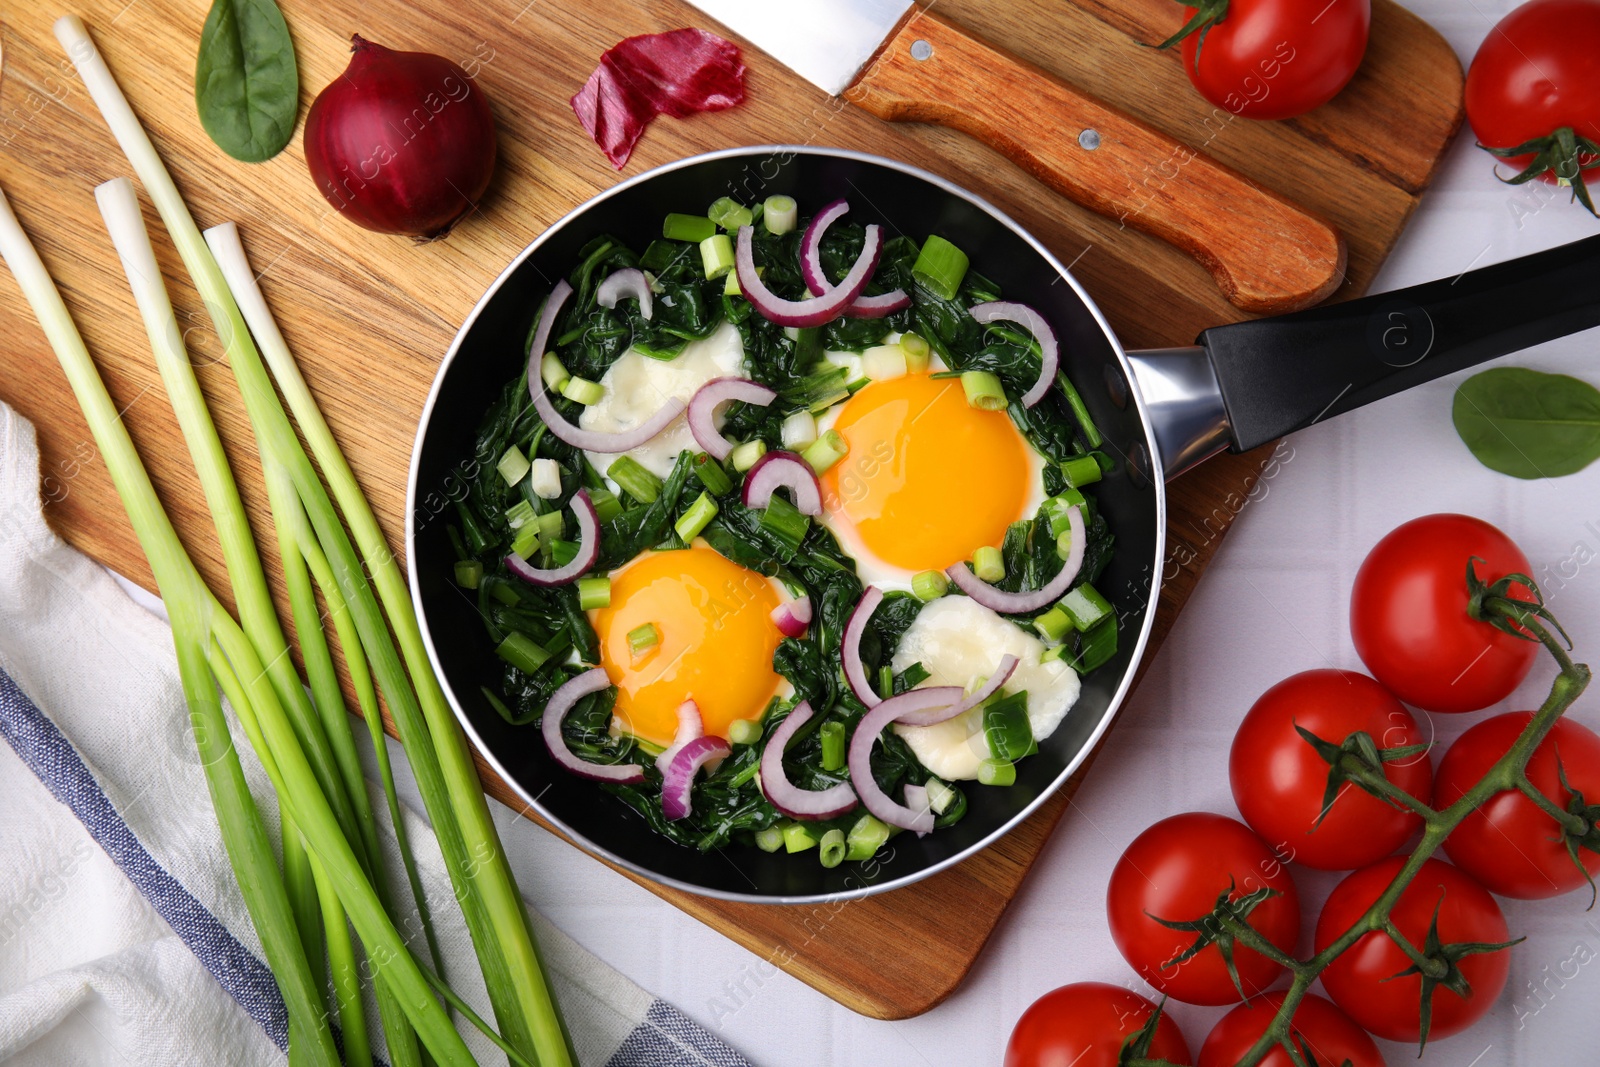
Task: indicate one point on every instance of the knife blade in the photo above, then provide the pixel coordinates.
(900, 62)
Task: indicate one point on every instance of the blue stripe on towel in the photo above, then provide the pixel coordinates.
(669, 1038)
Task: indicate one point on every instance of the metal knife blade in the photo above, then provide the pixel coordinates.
(826, 42)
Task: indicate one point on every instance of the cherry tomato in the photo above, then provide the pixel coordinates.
(1279, 779)
(1362, 980)
(1508, 844)
(1408, 614)
(1176, 870)
(1085, 1025)
(1536, 72)
(1275, 59)
(1318, 1027)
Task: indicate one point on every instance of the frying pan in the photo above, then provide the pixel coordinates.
(1161, 412)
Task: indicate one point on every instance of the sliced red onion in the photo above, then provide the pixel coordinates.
(863, 307)
(941, 712)
(678, 779)
(793, 617)
(855, 672)
(628, 282)
(786, 469)
(703, 407)
(561, 702)
(917, 799)
(588, 549)
(818, 309)
(690, 726)
(1033, 322)
(868, 730)
(789, 798)
(1023, 603)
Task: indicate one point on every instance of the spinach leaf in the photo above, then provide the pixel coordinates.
(1528, 424)
(246, 82)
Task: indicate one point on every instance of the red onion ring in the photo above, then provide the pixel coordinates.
(626, 282)
(789, 798)
(703, 406)
(588, 549)
(917, 799)
(863, 307)
(818, 309)
(1002, 674)
(855, 672)
(779, 468)
(1033, 322)
(1023, 603)
(588, 440)
(678, 780)
(868, 730)
(690, 726)
(561, 702)
(793, 617)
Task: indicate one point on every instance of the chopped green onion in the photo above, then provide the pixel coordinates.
(1064, 544)
(997, 772)
(634, 480)
(521, 514)
(940, 267)
(606, 504)
(1096, 646)
(744, 456)
(551, 524)
(983, 390)
(988, 564)
(1053, 624)
(583, 391)
(1006, 727)
(770, 839)
(785, 521)
(691, 228)
(886, 681)
(563, 552)
(732, 288)
(594, 593)
(691, 522)
(1056, 508)
(940, 796)
(780, 213)
(716, 255)
(883, 362)
(503, 591)
(744, 731)
(832, 737)
(833, 848)
(929, 585)
(1091, 432)
(469, 572)
(1081, 471)
(643, 638)
(865, 838)
(711, 475)
(522, 652)
(824, 401)
(799, 429)
(513, 466)
(554, 374)
(1085, 606)
(829, 448)
(526, 540)
(729, 213)
(917, 352)
(797, 837)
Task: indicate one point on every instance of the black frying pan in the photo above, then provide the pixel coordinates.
(1161, 412)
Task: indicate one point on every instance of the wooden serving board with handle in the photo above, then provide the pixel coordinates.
(370, 316)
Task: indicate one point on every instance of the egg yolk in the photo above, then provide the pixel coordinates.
(717, 638)
(928, 479)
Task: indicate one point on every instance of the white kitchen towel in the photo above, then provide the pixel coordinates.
(123, 938)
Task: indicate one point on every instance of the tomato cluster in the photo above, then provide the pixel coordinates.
(1183, 891)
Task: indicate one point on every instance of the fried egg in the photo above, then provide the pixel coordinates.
(716, 642)
(958, 641)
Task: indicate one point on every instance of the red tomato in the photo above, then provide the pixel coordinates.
(1176, 870)
(1279, 779)
(1508, 844)
(1275, 59)
(1361, 980)
(1408, 614)
(1085, 1024)
(1536, 72)
(1319, 1027)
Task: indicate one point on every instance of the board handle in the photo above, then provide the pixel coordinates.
(1267, 254)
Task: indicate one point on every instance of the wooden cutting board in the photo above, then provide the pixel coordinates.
(370, 316)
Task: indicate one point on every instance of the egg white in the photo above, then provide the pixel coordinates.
(957, 640)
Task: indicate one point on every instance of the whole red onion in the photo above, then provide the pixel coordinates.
(401, 142)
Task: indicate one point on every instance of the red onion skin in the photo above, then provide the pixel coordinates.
(401, 142)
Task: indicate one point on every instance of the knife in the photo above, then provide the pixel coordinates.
(901, 62)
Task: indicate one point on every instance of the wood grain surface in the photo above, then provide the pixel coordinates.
(370, 316)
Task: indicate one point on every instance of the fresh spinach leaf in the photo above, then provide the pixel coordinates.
(1528, 424)
(246, 82)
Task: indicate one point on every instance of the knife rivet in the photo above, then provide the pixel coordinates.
(921, 50)
(1089, 139)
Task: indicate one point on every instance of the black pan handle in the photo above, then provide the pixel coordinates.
(1284, 373)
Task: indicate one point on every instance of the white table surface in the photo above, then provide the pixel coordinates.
(1273, 602)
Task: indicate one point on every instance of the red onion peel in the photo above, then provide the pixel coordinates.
(561, 702)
